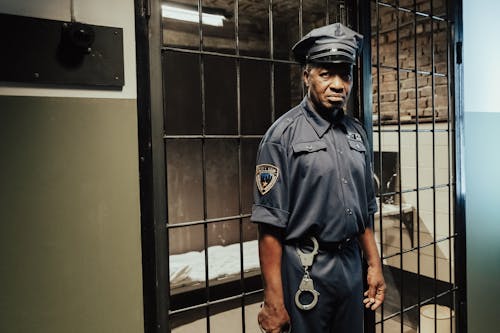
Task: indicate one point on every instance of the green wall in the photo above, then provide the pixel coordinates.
(69, 216)
(482, 163)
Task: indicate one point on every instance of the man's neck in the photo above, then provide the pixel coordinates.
(331, 115)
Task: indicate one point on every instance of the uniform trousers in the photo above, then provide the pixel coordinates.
(337, 276)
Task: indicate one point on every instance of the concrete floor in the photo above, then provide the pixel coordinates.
(225, 322)
(231, 322)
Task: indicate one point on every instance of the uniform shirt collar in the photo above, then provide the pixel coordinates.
(319, 123)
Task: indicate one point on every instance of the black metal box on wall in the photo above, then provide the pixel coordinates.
(57, 53)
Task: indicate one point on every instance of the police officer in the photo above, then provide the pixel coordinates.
(314, 200)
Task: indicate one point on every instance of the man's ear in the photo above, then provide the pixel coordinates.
(305, 78)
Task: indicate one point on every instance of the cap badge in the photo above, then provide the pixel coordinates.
(266, 176)
(338, 31)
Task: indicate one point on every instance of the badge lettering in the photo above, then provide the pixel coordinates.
(266, 176)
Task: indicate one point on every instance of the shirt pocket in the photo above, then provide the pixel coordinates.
(308, 147)
(357, 145)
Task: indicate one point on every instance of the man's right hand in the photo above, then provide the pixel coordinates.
(274, 319)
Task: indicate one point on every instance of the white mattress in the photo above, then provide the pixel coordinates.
(189, 267)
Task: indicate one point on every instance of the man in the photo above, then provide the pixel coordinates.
(314, 200)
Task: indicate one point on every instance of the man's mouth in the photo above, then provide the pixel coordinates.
(335, 98)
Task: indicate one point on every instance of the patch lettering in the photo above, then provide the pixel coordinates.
(266, 176)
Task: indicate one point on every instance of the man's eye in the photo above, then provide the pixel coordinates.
(324, 74)
(347, 76)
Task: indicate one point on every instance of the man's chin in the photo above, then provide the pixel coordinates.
(333, 105)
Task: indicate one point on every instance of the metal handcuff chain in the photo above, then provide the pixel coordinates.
(307, 284)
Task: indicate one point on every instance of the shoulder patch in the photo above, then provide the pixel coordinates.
(266, 176)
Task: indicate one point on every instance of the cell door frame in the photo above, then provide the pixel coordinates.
(455, 12)
(152, 163)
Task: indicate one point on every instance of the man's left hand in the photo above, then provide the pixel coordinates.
(375, 294)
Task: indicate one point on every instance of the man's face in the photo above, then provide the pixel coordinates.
(329, 85)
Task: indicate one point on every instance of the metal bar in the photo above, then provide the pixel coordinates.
(211, 136)
(417, 160)
(215, 302)
(366, 115)
(271, 45)
(327, 9)
(412, 130)
(203, 163)
(427, 301)
(301, 32)
(366, 86)
(161, 282)
(226, 55)
(403, 25)
(385, 4)
(398, 101)
(152, 191)
(207, 221)
(411, 70)
(433, 107)
(378, 65)
(420, 247)
(450, 164)
(456, 13)
(430, 187)
(238, 107)
(423, 188)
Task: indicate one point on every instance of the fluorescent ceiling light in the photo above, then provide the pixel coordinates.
(189, 15)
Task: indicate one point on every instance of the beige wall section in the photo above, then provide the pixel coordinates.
(70, 249)
(389, 142)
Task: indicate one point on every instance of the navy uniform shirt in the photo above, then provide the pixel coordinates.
(314, 177)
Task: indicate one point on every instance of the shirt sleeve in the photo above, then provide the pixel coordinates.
(271, 196)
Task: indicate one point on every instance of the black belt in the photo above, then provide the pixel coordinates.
(306, 244)
(335, 246)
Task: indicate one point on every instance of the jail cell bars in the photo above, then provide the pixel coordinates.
(227, 75)
(413, 126)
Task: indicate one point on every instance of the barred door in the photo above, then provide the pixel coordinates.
(414, 129)
(220, 73)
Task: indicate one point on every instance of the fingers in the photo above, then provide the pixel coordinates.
(286, 328)
(273, 322)
(373, 301)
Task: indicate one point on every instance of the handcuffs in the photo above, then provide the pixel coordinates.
(307, 284)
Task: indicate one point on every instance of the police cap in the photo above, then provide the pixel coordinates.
(332, 43)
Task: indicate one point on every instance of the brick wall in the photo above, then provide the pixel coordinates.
(411, 36)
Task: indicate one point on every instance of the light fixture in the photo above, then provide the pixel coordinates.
(191, 15)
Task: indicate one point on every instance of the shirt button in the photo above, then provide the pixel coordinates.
(344, 180)
(309, 147)
(340, 152)
(348, 211)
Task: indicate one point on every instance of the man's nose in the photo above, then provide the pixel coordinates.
(337, 83)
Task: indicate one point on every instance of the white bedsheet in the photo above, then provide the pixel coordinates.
(222, 261)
